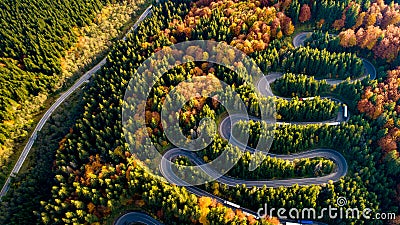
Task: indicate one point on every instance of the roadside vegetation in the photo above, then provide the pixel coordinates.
(28, 94)
(94, 174)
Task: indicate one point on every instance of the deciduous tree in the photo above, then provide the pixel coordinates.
(305, 13)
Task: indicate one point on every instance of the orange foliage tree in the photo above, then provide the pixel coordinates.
(348, 38)
(376, 29)
(373, 102)
(368, 38)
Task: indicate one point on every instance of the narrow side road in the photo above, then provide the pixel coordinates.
(84, 78)
(136, 217)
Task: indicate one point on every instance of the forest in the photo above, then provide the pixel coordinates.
(323, 64)
(95, 176)
(33, 42)
(301, 85)
(27, 92)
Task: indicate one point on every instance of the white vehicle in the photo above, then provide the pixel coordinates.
(232, 204)
(345, 111)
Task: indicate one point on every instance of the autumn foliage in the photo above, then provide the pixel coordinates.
(254, 27)
(348, 38)
(389, 142)
(376, 29)
(389, 47)
(305, 13)
(210, 209)
(375, 100)
(253, 24)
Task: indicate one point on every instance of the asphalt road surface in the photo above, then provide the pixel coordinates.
(136, 217)
(140, 217)
(225, 131)
(271, 77)
(83, 79)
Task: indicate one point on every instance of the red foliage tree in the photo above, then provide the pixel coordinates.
(286, 23)
(387, 143)
(389, 47)
(305, 13)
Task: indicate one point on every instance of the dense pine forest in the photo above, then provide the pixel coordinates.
(84, 172)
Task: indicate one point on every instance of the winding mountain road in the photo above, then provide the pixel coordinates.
(340, 161)
(147, 219)
(83, 79)
(225, 131)
(271, 77)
